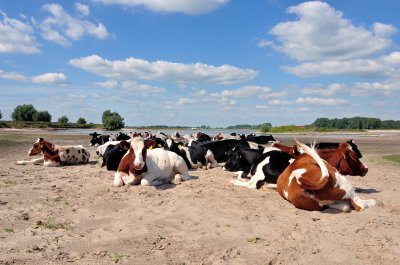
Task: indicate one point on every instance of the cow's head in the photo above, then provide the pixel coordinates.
(37, 147)
(234, 160)
(348, 160)
(138, 151)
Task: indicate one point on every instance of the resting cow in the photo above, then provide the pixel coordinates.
(149, 167)
(265, 168)
(99, 139)
(312, 184)
(345, 157)
(55, 155)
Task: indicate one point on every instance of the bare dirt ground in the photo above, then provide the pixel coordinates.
(73, 214)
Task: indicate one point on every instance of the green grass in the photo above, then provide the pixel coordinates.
(7, 230)
(117, 257)
(51, 225)
(253, 239)
(393, 158)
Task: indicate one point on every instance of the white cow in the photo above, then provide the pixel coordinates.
(149, 167)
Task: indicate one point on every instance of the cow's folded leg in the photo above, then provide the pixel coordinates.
(37, 161)
(343, 206)
(118, 179)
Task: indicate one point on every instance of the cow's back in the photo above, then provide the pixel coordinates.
(76, 154)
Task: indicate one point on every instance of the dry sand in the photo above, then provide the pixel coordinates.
(73, 214)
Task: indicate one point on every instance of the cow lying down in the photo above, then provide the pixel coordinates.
(55, 155)
(149, 167)
(311, 183)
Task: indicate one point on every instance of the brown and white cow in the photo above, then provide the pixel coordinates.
(345, 157)
(311, 183)
(55, 155)
(141, 165)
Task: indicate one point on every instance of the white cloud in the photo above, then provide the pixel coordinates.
(386, 88)
(246, 91)
(132, 68)
(187, 101)
(280, 102)
(108, 84)
(143, 89)
(321, 101)
(82, 9)
(184, 6)
(60, 27)
(12, 76)
(16, 36)
(392, 59)
(50, 78)
(322, 33)
(331, 90)
(359, 67)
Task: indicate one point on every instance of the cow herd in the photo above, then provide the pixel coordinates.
(309, 177)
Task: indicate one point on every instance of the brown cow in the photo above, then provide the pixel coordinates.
(345, 157)
(55, 155)
(312, 184)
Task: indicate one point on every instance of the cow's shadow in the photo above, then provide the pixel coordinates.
(171, 185)
(366, 191)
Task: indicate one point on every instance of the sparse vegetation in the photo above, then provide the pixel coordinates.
(117, 257)
(48, 224)
(7, 230)
(253, 239)
(393, 158)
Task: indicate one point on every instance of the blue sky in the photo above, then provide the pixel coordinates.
(208, 62)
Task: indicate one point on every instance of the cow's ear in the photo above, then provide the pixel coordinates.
(124, 145)
(41, 139)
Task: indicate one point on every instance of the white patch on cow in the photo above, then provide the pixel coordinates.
(102, 148)
(253, 145)
(291, 160)
(270, 148)
(286, 194)
(259, 176)
(118, 179)
(297, 174)
(343, 206)
(197, 165)
(169, 143)
(137, 145)
(211, 159)
(311, 152)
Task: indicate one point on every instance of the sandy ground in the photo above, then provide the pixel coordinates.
(73, 214)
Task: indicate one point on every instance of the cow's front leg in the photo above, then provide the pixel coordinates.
(37, 161)
(151, 180)
(211, 159)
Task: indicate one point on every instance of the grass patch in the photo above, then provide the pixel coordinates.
(117, 257)
(7, 230)
(253, 239)
(393, 158)
(9, 183)
(11, 141)
(52, 225)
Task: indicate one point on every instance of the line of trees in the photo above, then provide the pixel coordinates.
(355, 123)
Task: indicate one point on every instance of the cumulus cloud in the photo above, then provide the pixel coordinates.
(82, 9)
(322, 33)
(60, 27)
(309, 101)
(132, 68)
(331, 90)
(16, 36)
(183, 6)
(143, 89)
(12, 76)
(245, 92)
(107, 84)
(186, 101)
(50, 78)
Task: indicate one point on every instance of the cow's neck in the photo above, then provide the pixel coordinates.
(49, 152)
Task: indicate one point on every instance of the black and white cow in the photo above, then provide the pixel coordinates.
(207, 154)
(262, 139)
(241, 159)
(120, 136)
(99, 139)
(113, 154)
(266, 168)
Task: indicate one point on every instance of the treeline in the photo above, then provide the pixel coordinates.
(355, 123)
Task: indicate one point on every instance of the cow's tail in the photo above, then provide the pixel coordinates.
(311, 152)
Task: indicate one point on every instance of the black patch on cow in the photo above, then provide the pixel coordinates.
(355, 148)
(67, 151)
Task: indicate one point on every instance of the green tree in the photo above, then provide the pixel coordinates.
(63, 119)
(23, 113)
(41, 116)
(1, 115)
(265, 127)
(322, 123)
(112, 120)
(81, 121)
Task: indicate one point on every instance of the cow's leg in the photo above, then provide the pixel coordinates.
(360, 205)
(181, 168)
(151, 180)
(37, 161)
(211, 159)
(343, 206)
(118, 179)
(252, 183)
